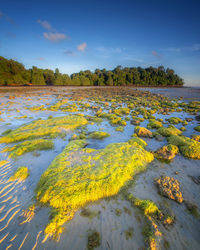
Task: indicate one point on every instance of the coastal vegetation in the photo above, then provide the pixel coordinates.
(14, 73)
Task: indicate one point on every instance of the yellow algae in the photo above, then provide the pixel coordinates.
(28, 146)
(143, 132)
(40, 128)
(122, 111)
(188, 147)
(167, 152)
(154, 124)
(21, 173)
(98, 135)
(77, 177)
(170, 187)
(149, 207)
(4, 162)
(171, 130)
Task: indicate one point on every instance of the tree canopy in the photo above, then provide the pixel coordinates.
(14, 73)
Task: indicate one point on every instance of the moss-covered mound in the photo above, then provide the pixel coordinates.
(28, 146)
(154, 124)
(196, 137)
(167, 153)
(169, 131)
(94, 240)
(149, 207)
(143, 132)
(113, 119)
(40, 128)
(21, 174)
(197, 128)
(174, 120)
(169, 187)
(80, 175)
(98, 135)
(188, 147)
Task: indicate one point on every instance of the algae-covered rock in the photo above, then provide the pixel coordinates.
(122, 111)
(137, 120)
(28, 146)
(148, 207)
(98, 135)
(174, 120)
(196, 137)
(171, 130)
(183, 129)
(120, 128)
(188, 147)
(167, 152)
(154, 124)
(93, 240)
(158, 136)
(137, 142)
(21, 174)
(197, 128)
(169, 187)
(54, 127)
(143, 132)
(80, 175)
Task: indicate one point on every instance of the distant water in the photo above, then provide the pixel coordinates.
(187, 93)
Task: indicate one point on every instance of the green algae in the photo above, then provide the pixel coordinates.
(188, 147)
(174, 120)
(152, 214)
(113, 119)
(28, 146)
(45, 128)
(81, 175)
(148, 207)
(171, 130)
(197, 128)
(129, 233)
(94, 240)
(143, 132)
(196, 137)
(154, 124)
(120, 129)
(170, 188)
(20, 174)
(98, 135)
(122, 111)
(118, 212)
(167, 153)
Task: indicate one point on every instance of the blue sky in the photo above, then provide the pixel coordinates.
(79, 35)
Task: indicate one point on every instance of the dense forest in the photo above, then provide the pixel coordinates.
(14, 73)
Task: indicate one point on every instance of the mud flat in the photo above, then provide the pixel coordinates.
(99, 168)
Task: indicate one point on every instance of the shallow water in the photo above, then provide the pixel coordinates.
(16, 196)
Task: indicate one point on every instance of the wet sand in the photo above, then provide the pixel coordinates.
(16, 196)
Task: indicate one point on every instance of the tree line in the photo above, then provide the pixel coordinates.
(14, 73)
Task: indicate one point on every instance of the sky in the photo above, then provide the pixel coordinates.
(89, 34)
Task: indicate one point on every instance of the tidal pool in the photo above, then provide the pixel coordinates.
(78, 168)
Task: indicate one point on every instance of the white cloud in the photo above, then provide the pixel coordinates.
(193, 47)
(109, 50)
(45, 24)
(81, 47)
(54, 37)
